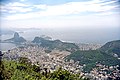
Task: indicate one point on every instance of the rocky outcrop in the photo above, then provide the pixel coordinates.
(16, 39)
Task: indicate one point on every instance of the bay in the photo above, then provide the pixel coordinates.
(96, 36)
(6, 46)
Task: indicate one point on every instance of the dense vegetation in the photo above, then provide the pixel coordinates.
(91, 57)
(23, 70)
(111, 48)
(104, 55)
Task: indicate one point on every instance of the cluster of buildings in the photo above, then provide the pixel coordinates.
(89, 46)
(52, 61)
(56, 59)
(102, 72)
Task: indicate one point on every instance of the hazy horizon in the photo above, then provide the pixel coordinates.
(94, 21)
(96, 35)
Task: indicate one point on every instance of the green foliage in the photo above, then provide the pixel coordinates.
(104, 55)
(23, 70)
(91, 57)
(111, 48)
(64, 75)
(25, 61)
(7, 69)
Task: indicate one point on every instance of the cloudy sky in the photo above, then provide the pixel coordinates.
(60, 13)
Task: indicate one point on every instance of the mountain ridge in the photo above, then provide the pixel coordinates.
(55, 44)
(91, 57)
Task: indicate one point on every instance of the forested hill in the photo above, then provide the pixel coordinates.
(107, 55)
(112, 48)
(55, 44)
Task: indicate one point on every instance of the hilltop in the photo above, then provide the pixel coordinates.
(55, 44)
(112, 48)
(103, 55)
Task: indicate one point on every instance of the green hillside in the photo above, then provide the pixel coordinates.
(55, 44)
(102, 55)
(111, 48)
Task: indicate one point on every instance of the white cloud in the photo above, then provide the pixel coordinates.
(21, 16)
(106, 13)
(107, 3)
(16, 7)
(19, 9)
(14, 4)
(40, 6)
(88, 21)
(95, 6)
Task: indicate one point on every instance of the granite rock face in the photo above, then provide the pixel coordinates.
(16, 35)
(16, 39)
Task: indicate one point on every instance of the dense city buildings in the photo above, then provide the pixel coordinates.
(54, 59)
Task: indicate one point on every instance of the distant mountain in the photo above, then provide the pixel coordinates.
(46, 37)
(55, 44)
(16, 39)
(104, 55)
(112, 48)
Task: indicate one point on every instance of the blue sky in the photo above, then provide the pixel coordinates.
(60, 13)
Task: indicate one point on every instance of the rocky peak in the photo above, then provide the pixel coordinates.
(16, 35)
